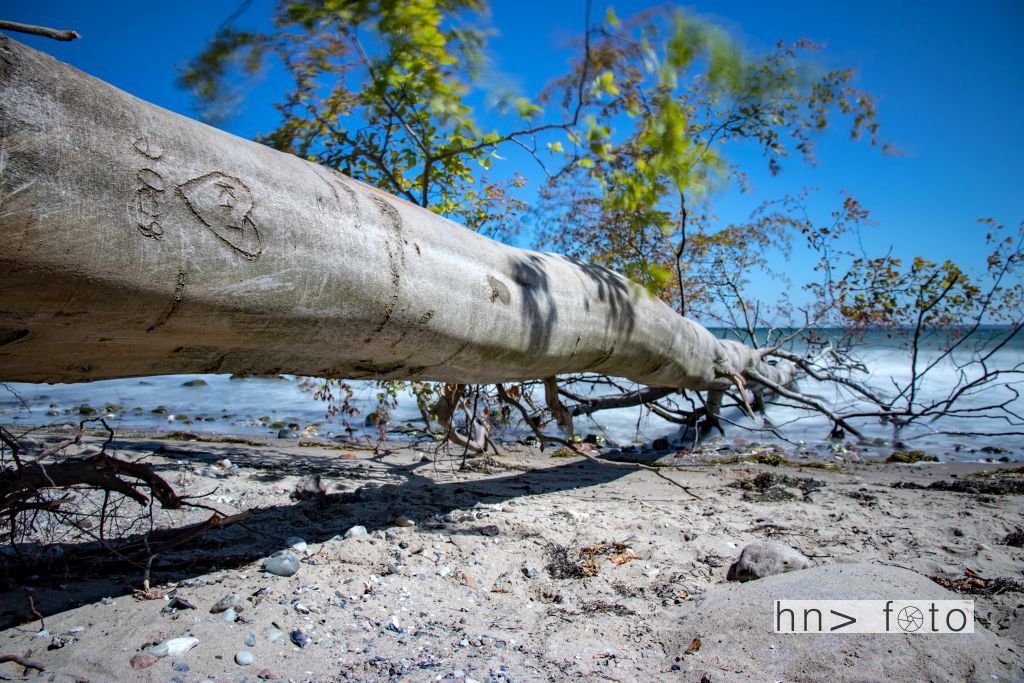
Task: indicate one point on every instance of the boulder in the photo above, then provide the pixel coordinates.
(734, 623)
(759, 560)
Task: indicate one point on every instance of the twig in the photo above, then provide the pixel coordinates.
(27, 663)
(32, 606)
(638, 466)
(55, 33)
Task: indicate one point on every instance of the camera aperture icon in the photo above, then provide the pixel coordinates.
(910, 619)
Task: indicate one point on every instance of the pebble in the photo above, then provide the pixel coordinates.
(405, 521)
(299, 638)
(60, 641)
(76, 629)
(284, 563)
(177, 603)
(227, 602)
(243, 658)
(296, 544)
(180, 667)
(287, 434)
(175, 647)
(143, 660)
(356, 532)
(490, 530)
(251, 640)
(275, 635)
(229, 615)
(394, 625)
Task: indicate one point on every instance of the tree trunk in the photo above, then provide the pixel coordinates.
(136, 241)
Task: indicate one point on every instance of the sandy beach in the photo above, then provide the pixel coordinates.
(523, 567)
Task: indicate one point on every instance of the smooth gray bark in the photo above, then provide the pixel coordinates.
(134, 241)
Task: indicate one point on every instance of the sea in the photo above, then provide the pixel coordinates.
(985, 422)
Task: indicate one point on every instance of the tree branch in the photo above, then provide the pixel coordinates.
(55, 33)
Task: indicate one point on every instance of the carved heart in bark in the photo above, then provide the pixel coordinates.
(224, 204)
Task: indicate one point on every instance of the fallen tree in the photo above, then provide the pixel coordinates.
(140, 242)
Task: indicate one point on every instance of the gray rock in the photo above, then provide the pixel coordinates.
(737, 622)
(311, 487)
(758, 560)
(299, 638)
(287, 434)
(275, 635)
(59, 642)
(356, 532)
(228, 601)
(251, 640)
(229, 615)
(297, 544)
(243, 658)
(284, 563)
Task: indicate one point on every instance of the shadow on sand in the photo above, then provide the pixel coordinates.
(394, 483)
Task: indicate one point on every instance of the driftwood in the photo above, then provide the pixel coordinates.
(139, 242)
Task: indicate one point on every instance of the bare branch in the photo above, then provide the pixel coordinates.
(55, 33)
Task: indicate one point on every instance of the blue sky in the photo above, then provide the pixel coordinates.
(949, 77)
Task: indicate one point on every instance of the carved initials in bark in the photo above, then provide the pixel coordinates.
(224, 205)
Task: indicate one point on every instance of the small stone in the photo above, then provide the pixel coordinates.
(394, 625)
(296, 544)
(529, 572)
(759, 560)
(176, 603)
(243, 658)
(180, 667)
(194, 383)
(59, 642)
(143, 660)
(356, 532)
(175, 647)
(251, 640)
(299, 638)
(266, 675)
(490, 530)
(405, 521)
(312, 487)
(275, 635)
(287, 434)
(224, 464)
(76, 629)
(228, 601)
(229, 615)
(284, 563)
